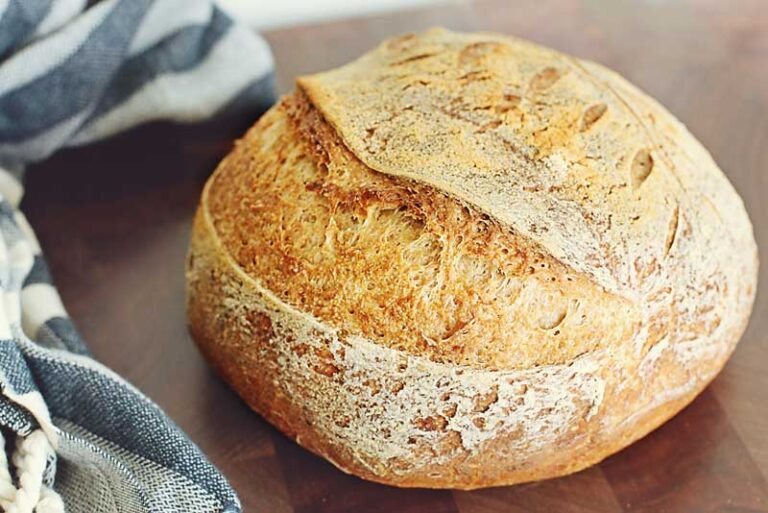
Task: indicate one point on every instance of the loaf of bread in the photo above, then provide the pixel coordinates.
(464, 260)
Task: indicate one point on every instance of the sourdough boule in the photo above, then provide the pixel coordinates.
(465, 260)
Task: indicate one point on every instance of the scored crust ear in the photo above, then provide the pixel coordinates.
(399, 262)
(446, 119)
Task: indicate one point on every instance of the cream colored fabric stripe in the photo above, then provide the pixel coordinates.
(212, 90)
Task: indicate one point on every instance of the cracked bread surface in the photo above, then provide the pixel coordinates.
(395, 261)
(464, 260)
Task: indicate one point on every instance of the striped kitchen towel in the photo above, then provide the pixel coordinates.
(77, 437)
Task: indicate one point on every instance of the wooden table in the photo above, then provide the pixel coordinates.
(114, 220)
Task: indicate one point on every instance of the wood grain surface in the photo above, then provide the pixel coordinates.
(114, 221)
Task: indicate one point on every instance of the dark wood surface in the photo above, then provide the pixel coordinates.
(114, 220)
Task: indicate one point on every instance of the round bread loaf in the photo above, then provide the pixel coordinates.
(464, 260)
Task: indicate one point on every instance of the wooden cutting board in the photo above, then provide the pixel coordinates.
(114, 220)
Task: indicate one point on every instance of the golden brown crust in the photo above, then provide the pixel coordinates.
(396, 261)
(240, 327)
(366, 266)
(512, 128)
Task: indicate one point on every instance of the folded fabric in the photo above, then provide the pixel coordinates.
(77, 437)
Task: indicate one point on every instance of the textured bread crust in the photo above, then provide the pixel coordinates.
(395, 261)
(466, 261)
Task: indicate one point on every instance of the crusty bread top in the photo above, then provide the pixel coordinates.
(482, 201)
(564, 151)
(396, 261)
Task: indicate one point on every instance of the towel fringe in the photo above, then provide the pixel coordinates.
(7, 488)
(29, 458)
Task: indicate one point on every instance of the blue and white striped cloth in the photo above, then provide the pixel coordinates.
(77, 437)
